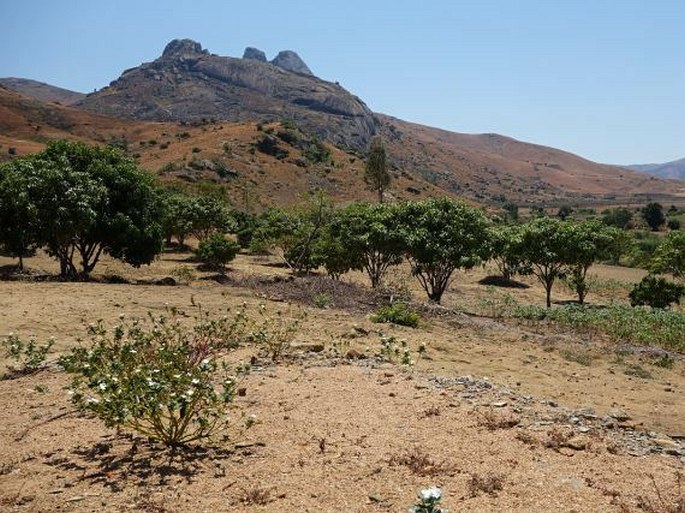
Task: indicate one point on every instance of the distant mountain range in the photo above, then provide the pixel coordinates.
(674, 169)
(183, 110)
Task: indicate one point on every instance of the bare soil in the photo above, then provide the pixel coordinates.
(503, 417)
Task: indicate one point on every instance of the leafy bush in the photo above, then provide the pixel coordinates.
(217, 250)
(397, 313)
(157, 379)
(656, 292)
(29, 356)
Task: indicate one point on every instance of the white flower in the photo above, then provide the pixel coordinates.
(432, 493)
(102, 386)
(195, 381)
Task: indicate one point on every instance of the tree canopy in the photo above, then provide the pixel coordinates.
(441, 236)
(376, 173)
(81, 201)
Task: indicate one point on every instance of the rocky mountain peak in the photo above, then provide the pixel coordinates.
(254, 54)
(179, 47)
(290, 61)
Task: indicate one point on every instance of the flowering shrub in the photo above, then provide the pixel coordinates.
(397, 351)
(160, 379)
(429, 499)
(29, 356)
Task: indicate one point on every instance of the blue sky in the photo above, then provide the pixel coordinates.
(601, 78)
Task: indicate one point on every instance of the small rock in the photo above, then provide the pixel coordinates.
(583, 429)
(574, 420)
(499, 404)
(552, 403)
(668, 446)
(577, 443)
(619, 415)
(353, 354)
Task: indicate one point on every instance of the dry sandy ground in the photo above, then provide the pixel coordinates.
(341, 434)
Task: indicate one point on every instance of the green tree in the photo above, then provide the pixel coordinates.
(588, 242)
(564, 212)
(654, 216)
(369, 237)
(506, 250)
(19, 225)
(177, 217)
(376, 173)
(545, 249)
(217, 250)
(296, 232)
(89, 201)
(618, 217)
(656, 292)
(210, 216)
(441, 236)
(669, 256)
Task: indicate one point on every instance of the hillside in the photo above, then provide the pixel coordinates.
(225, 154)
(674, 169)
(41, 90)
(191, 116)
(190, 85)
(492, 167)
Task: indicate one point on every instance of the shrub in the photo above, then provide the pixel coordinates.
(157, 379)
(656, 292)
(29, 356)
(217, 250)
(673, 224)
(397, 313)
(275, 332)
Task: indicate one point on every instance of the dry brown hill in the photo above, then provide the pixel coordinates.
(226, 154)
(491, 167)
(41, 90)
(487, 168)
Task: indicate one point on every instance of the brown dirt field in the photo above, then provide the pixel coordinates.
(336, 433)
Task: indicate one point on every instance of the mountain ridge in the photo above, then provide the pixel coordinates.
(673, 169)
(188, 86)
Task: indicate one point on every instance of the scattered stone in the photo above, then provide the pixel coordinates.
(166, 281)
(577, 443)
(583, 429)
(552, 403)
(310, 348)
(668, 446)
(499, 404)
(619, 415)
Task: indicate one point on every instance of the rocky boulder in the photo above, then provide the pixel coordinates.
(254, 54)
(290, 61)
(180, 47)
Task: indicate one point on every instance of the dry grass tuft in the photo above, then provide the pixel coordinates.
(494, 420)
(665, 502)
(420, 463)
(490, 483)
(257, 496)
